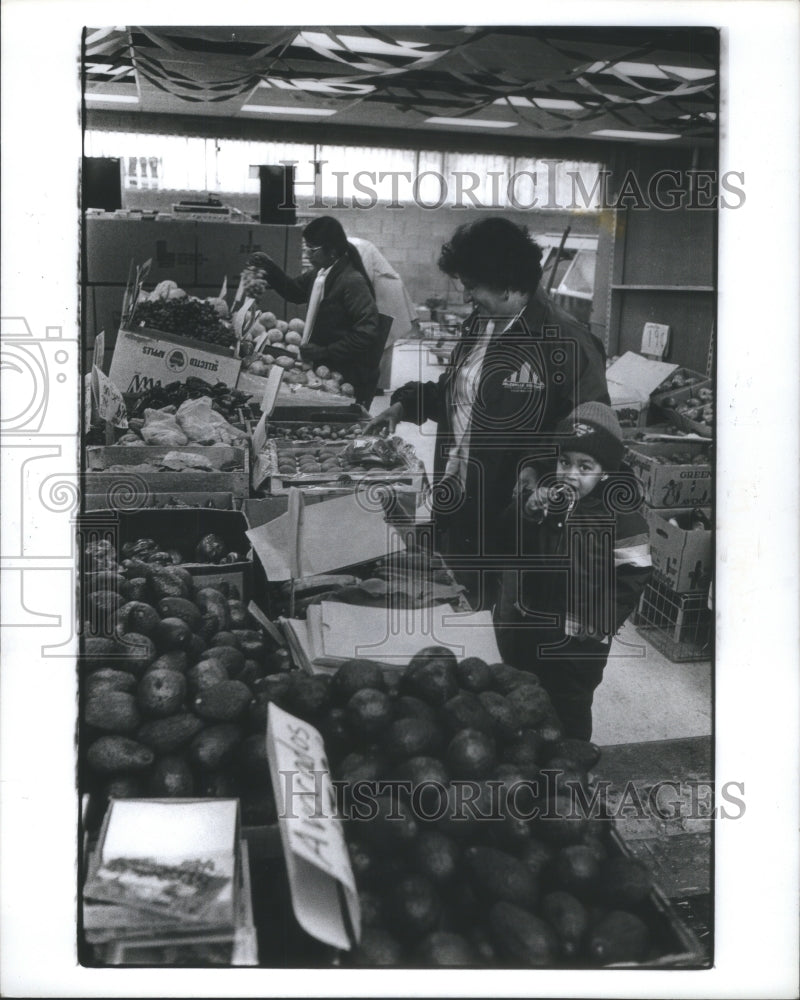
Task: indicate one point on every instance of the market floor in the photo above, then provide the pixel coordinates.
(644, 695)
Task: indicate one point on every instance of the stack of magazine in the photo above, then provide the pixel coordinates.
(168, 883)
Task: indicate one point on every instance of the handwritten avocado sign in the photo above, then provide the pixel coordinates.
(324, 896)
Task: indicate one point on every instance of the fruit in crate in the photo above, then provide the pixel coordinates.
(293, 336)
(192, 318)
(275, 336)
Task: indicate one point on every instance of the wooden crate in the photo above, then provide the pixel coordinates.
(674, 944)
(266, 475)
(138, 486)
(161, 501)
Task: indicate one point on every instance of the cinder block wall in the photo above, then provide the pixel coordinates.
(410, 236)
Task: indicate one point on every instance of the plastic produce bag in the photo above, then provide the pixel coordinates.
(162, 429)
(179, 461)
(203, 425)
(373, 452)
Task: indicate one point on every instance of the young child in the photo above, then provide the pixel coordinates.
(583, 558)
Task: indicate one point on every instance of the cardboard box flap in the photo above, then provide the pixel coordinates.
(267, 406)
(620, 393)
(360, 535)
(636, 372)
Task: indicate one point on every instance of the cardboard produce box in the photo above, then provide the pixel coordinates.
(681, 555)
(112, 243)
(183, 530)
(678, 380)
(629, 404)
(681, 420)
(631, 379)
(225, 249)
(146, 358)
(668, 482)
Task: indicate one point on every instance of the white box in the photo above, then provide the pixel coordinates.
(147, 358)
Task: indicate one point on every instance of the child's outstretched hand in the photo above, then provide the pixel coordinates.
(536, 500)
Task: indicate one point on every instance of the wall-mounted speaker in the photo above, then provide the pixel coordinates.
(276, 202)
(101, 183)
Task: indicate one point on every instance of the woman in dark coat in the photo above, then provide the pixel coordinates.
(343, 331)
(522, 364)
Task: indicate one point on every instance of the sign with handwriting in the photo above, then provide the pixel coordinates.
(323, 889)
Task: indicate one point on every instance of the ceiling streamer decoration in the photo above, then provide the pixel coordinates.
(558, 80)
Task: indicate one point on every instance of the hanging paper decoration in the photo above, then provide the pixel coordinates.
(424, 71)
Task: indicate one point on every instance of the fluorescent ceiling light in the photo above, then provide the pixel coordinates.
(651, 70)
(361, 46)
(540, 102)
(470, 122)
(274, 109)
(113, 98)
(618, 133)
(317, 86)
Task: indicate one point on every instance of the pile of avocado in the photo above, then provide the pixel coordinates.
(175, 686)
(169, 681)
(441, 884)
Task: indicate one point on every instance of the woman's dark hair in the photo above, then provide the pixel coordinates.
(328, 233)
(493, 252)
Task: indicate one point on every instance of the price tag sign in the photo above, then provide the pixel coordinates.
(269, 627)
(274, 380)
(259, 440)
(655, 339)
(99, 349)
(89, 404)
(324, 897)
(109, 404)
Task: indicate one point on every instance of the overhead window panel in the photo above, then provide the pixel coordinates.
(430, 185)
(236, 163)
(363, 176)
(477, 180)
